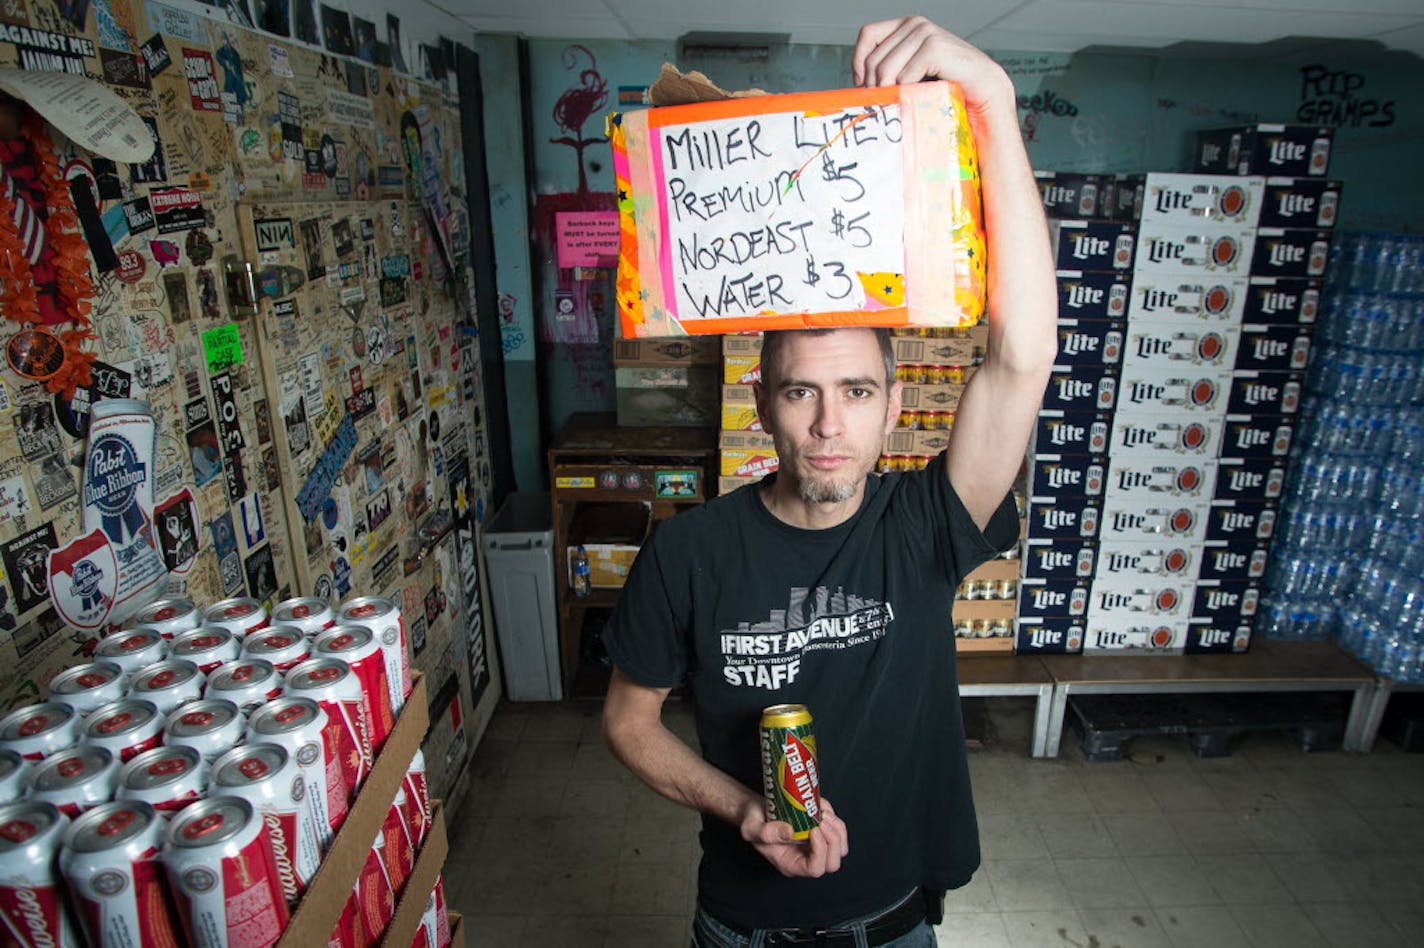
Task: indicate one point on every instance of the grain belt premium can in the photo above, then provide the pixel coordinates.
(38, 730)
(311, 614)
(283, 645)
(169, 616)
(31, 906)
(300, 725)
(357, 646)
(220, 863)
(241, 615)
(168, 683)
(166, 778)
(212, 727)
(133, 649)
(383, 617)
(126, 728)
(207, 646)
(267, 777)
(86, 687)
(333, 685)
(14, 770)
(76, 780)
(248, 683)
(789, 774)
(111, 861)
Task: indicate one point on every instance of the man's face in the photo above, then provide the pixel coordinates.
(829, 409)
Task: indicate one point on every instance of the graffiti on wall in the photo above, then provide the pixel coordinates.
(1336, 97)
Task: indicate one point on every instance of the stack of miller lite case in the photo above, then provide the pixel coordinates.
(1160, 452)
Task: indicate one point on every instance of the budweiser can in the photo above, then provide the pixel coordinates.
(168, 684)
(311, 614)
(39, 730)
(14, 770)
(333, 685)
(348, 932)
(375, 895)
(166, 778)
(86, 687)
(300, 726)
(240, 616)
(790, 776)
(248, 683)
(434, 930)
(417, 797)
(125, 728)
(283, 645)
(212, 727)
(383, 617)
(207, 646)
(133, 649)
(169, 617)
(356, 645)
(397, 842)
(110, 860)
(266, 776)
(31, 907)
(75, 780)
(224, 876)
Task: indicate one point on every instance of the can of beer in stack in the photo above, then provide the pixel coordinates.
(212, 727)
(75, 780)
(397, 842)
(38, 730)
(224, 876)
(375, 895)
(248, 683)
(300, 726)
(207, 646)
(334, 687)
(168, 684)
(169, 617)
(383, 617)
(166, 778)
(133, 649)
(110, 858)
(86, 687)
(347, 932)
(417, 797)
(14, 769)
(269, 779)
(311, 614)
(790, 778)
(283, 645)
(30, 897)
(125, 728)
(356, 645)
(241, 615)
(434, 930)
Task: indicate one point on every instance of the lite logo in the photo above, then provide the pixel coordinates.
(1257, 393)
(1283, 254)
(1291, 204)
(1064, 434)
(1168, 199)
(1275, 301)
(1045, 638)
(1153, 300)
(1214, 637)
(1080, 296)
(1075, 343)
(1284, 151)
(1267, 350)
(1087, 247)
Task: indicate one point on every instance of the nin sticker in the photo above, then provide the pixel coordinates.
(34, 353)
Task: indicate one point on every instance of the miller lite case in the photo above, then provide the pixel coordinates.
(1177, 299)
(1081, 389)
(1300, 202)
(1093, 295)
(1256, 436)
(1226, 603)
(1236, 520)
(1254, 478)
(1050, 635)
(1265, 148)
(1169, 349)
(1135, 634)
(1140, 562)
(1039, 598)
(1060, 475)
(1058, 560)
(1064, 518)
(1200, 249)
(1274, 348)
(1233, 560)
(1290, 252)
(1265, 393)
(1092, 245)
(1188, 199)
(1149, 390)
(1060, 432)
(1162, 436)
(1069, 195)
(1207, 638)
(1272, 300)
(1140, 479)
(1154, 520)
(1089, 343)
(1130, 596)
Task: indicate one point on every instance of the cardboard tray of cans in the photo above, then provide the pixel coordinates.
(413, 898)
(457, 929)
(320, 909)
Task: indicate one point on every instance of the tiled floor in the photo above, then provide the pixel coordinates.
(557, 845)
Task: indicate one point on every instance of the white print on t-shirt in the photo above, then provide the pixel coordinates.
(768, 654)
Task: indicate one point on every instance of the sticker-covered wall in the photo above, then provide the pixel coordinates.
(285, 283)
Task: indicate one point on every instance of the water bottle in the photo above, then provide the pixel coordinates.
(582, 574)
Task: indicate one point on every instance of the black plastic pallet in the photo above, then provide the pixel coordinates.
(1404, 721)
(1211, 722)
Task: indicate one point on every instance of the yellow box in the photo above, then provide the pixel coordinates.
(741, 343)
(738, 395)
(741, 369)
(740, 418)
(608, 563)
(746, 441)
(747, 462)
(916, 443)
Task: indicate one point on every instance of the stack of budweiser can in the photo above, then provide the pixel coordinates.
(184, 786)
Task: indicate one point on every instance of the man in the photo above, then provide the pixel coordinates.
(828, 586)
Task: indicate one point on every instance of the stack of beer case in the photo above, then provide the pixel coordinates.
(745, 453)
(666, 382)
(1160, 450)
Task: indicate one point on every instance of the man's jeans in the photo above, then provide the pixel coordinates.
(707, 932)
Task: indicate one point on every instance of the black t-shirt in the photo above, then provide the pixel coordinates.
(854, 622)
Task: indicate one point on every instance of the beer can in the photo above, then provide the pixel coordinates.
(397, 842)
(168, 684)
(357, 646)
(219, 861)
(1008, 588)
(335, 688)
(248, 683)
(311, 614)
(38, 730)
(75, 780)
(207, 646)
(240, 615)
(347, 932)
(283, 645)
(375, 895)
(110, 858)
(268, 778)
(169, 617)
(132, 649)
(125, 728)
(166, 778)
(790, 778)
(383, 617)
(301, 726)
(86, 687)
(212, 727)
(417, 797)
(31, 904)
(14, 772)
(434, 931)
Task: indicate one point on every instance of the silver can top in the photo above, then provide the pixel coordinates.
(363, 608)
(248, 765)
(84, 678)
(203, 640)
(201, 717)
(301, 608)
(71, 768)
(160, 767)
(109, 826)
(165, 610)
(239, 607)
(242, 674)
(285, 715)
(340, 639)
(35, 719)
(210, 822)
(21, 823)
(162, 676)
(10, 761)
(316, 674)
(120, 717)
(128, 642)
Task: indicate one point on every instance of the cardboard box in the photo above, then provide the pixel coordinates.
(1134, 636)
(747, 462)
(1148, 561)
(415, 895)
(1049, 559)
(1205, 637)
(740, 417)
(692, 350)
(746, 441)
(1171, 348)
(961, 347)
(608, 563)
(1269, 300)
(1259, 478)
(1174, 390)
(1068, 194)
(1101, 246)
(741, 369)
(1131, 597)
(1191, 198)
(1166, 435)
(1091, 295)
(1081, 389)
(1080, 475)
(1222, 249)
(1256, 436)
(924, 444)
(1177, 299)
(671, 396)
(725, 485)
(1040, 598)
(975, 610)
(741, 343)
(1295, 150)
(611, 536)
(1155, 520)
(915, 397)
(1060, 432)
(1148, 478)
(1090, 343)
(1300, 202)
(1274, 348)
(997, 569)
(1056, 635)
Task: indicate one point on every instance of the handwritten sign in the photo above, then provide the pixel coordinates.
(222, 347)
(586, 238)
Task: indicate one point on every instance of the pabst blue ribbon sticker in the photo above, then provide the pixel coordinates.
(84, 581)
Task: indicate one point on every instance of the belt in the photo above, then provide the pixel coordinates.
(880, 930)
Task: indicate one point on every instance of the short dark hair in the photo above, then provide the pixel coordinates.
(773, 340)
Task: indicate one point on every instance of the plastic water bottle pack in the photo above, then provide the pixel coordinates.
(1386, 322)
(1389, 263)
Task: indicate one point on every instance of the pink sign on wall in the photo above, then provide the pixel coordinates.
(586, 238)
